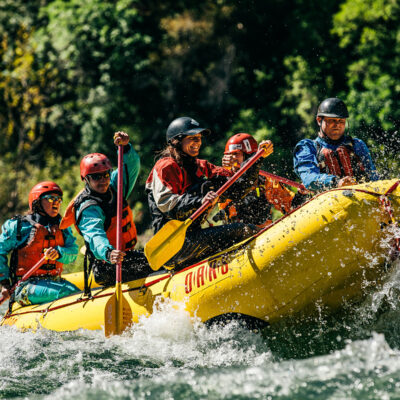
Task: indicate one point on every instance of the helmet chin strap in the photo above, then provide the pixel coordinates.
(37, 207)
(87, 184)
(321, 130)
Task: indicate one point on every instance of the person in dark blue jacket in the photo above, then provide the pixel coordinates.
(333, 159)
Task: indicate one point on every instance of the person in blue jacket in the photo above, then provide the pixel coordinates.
(94, 213)
(32, 237)
(333, 159)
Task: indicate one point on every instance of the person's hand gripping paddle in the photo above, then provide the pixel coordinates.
(170, 238)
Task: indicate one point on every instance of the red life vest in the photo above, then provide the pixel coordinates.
(129, 234)
(40, 238)
(341, 162)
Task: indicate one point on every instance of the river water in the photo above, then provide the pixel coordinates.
(354, 354)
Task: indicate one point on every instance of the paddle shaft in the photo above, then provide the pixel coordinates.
(118, 272)
(230, 182)
(119, 209)
(26, 276)
(284, 180)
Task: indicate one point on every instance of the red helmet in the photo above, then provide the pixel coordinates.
(42, 188)
(94, 163)
(241, 142)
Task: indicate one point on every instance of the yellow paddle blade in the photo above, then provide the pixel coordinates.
(166, 243)
(116, 320)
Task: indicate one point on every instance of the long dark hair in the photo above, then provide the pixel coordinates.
(174, 150)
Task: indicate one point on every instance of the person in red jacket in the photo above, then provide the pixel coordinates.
(180, 183)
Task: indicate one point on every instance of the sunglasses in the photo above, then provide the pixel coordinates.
(51, 198)
(97, 177)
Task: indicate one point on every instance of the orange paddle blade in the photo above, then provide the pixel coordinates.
(166, 243)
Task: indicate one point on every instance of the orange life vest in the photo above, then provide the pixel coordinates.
(40, 238)
(278, 195)
(341, 162)
(129, 234)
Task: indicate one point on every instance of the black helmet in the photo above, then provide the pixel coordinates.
(184, 126)
(333, 108)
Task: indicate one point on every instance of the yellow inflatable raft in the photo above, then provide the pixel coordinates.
(326, 252)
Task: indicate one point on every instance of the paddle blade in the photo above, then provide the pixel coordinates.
(166, 243)
(113, 325)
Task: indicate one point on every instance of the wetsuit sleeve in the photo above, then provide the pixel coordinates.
(8, 242)
(363, 152)
(69, 251)
(131, 171)
(171, 198)
(306, 167)
(91, 225)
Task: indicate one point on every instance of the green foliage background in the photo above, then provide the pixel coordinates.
(73, 72)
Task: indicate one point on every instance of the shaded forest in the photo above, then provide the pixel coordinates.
(73, 72)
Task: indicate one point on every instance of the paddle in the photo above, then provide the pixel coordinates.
(170, 238)
(26, 276)
(117, 306)
(286, 181)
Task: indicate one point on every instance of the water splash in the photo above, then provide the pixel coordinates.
(168, 346)
(352, 354)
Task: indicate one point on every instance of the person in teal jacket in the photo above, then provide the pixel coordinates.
(94, 213)
(32, 237)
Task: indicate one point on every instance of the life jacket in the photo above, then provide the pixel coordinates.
(252, 208)
(169, 177)
(266, 193)
(129, 234)
(278, 195)
(341, 162)
(30, 252)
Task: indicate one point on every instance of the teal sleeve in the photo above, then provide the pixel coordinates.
(8, 242)
(91, 225)
(69, 251)
(131, 171)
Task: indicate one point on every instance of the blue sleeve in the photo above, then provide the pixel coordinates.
(363, 152)
(8, 242)
(306, 167)
(91, 225)
(69, 251)
(131, 171)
